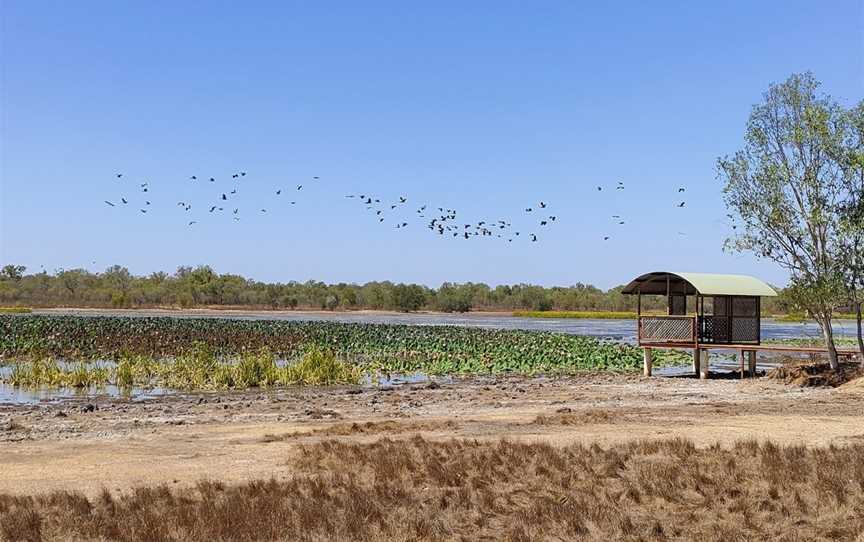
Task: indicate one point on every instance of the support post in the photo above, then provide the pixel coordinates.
(741, 355)
(696, 360)
(703, 364)
(648, 361)
(751, 363)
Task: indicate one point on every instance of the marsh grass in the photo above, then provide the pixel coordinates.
(417, 489)
(15, 310)
(199, 368)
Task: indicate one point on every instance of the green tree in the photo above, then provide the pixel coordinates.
(12, 272)
(408, 297)
(784, 190)
(850, 256)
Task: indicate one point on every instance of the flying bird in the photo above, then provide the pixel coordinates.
(299, 186)
(119, 175)
(212, 208)
(212, 180)
(109, 203)
(123, 200)
(681, 204)
(193, 222)
(681, 189)
(542, 205)
(278, 192)
(193, 177)
(224, 197)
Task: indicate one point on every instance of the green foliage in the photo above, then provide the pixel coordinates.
(195, 345)
(195, 287)
(321, 367)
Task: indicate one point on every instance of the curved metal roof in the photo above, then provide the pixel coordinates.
(698, 283)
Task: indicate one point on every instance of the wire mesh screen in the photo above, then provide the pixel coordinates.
(666, 329)
(745, 330)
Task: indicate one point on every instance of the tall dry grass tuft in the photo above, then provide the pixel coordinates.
(416, 489)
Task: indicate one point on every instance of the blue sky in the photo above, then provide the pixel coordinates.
(484, 107)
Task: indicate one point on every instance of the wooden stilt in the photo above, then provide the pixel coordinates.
(741, 355)
(703, 364)
(696, 361)
(648, 361)
(751, 363)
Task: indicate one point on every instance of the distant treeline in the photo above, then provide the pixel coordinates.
(201, 286)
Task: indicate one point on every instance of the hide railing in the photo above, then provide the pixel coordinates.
(668, 330)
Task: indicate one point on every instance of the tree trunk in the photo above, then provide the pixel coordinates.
(860, 337)
(828, 333)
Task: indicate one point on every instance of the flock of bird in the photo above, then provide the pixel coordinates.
(442, 221)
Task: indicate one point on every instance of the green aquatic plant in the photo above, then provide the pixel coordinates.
(193, 348)
(322, 367)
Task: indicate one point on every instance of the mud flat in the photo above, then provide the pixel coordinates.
(91, 444)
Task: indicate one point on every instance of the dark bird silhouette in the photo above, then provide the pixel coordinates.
(299, 186)
(119, 175)
(681, 189)
(147, 202)
(599, 188)
(193, 177)
(145, 190)
(681, 204)
(553, 218)
(212, 208)
(528, 210)
(316, 178)
(533, 238)
(234, 176)
(402, 199)
(109, 203)
(278, 192)
(622, 222)
(606, 238)
(234, 191)
(293, 203)
(123, 200)
(235, 211)
(144, 211)
(193, 222)
(263, 210)
(392, 207)
(242, 173)
(542, 222)
(542, 205)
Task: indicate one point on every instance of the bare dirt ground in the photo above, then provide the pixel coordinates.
(88, 445)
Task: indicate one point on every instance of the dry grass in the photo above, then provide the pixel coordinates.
(391, 427)
(816, 373)
(466, 490)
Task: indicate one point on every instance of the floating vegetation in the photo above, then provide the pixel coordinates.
(211, 352)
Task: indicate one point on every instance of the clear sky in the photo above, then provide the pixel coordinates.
(483, 107)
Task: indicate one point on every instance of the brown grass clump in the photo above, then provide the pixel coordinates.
(584, 417)
(468, 490)
(366, 428)
(816, 373)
